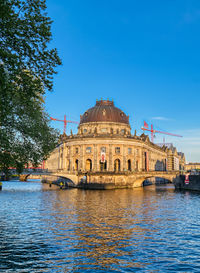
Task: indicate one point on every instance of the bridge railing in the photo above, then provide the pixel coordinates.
(124, 172)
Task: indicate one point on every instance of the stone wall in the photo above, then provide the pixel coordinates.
(121, 154)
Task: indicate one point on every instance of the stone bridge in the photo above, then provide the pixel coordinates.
(128, 179)
(52, 176)
(104, 180)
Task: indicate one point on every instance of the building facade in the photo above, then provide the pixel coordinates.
(176, 160)
(192, 166)
(104, 143)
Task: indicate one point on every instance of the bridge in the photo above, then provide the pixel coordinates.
(103, 179)
(129, 179)
(71, 179)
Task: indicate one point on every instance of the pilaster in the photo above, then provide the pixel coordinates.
(95, 157)
(110, 157)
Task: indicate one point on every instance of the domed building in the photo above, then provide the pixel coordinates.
(104, 144)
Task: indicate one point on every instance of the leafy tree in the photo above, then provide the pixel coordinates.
(27, 66)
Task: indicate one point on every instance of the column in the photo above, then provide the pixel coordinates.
(81, 157)
(124, 158)
(110, 158)
(71, 159)
(95, 157)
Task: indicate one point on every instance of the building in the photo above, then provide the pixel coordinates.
(181, 161)
(104, 143)
(192, 166)
(175, 160)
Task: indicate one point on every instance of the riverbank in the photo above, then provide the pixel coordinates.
(188, 182)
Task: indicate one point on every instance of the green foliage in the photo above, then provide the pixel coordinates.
(27, 66)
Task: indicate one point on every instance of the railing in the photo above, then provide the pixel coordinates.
(105, 172)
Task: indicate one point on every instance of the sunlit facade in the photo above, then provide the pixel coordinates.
(104, 143)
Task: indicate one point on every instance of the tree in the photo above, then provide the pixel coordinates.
(27, 66)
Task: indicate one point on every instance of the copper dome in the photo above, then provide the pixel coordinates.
(104, 111)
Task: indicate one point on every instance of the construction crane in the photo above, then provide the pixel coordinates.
(146, 128)
(65, 122)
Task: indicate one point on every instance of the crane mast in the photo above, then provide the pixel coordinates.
(65, 121)
(146, 128)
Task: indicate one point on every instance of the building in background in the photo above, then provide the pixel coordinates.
(192, 166)
(175, 160)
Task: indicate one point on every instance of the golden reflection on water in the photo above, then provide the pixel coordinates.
(151, 229)
(103, 227)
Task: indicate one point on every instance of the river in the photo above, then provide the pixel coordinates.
(150, 229)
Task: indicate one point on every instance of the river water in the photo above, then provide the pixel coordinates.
(150, 229)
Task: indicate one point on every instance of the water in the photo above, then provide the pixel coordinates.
(151, 229)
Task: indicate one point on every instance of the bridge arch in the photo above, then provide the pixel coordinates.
(24, 177)
(156, 180)
(70, 180)
(139, 181)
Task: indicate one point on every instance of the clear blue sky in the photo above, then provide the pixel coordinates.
(145, 55)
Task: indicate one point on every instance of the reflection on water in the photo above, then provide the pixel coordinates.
(152, 229)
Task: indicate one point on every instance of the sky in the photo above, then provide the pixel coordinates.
(145, 55)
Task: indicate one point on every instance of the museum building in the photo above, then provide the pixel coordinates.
(104, 143)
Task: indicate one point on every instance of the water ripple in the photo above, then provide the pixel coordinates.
(152, 229)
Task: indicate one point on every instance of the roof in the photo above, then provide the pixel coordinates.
(104, 111)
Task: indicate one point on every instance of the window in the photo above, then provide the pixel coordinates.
(129, 151)
(76, 165)
(76, 150)
(84, 130)
(103, 130)
(88, 150)
(103, 149)
(117, 150)
(129, 165)
(122, 131)
(88, 165)
(117, 165)
(103, 165)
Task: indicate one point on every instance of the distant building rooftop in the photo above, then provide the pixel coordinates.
(168, 145)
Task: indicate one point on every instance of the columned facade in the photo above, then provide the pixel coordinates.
(104, 143)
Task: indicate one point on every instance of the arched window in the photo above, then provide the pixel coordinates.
(76, 165)
(129, 165)
(103, 165)
(88, 165)
(117, 165)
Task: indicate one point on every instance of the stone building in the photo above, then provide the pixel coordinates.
(192, 166)
(104, 143)
(181, 161)
(176, 160)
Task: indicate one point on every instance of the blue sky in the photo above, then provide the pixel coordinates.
(145, 55)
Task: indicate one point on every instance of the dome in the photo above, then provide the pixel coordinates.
(104, 111)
